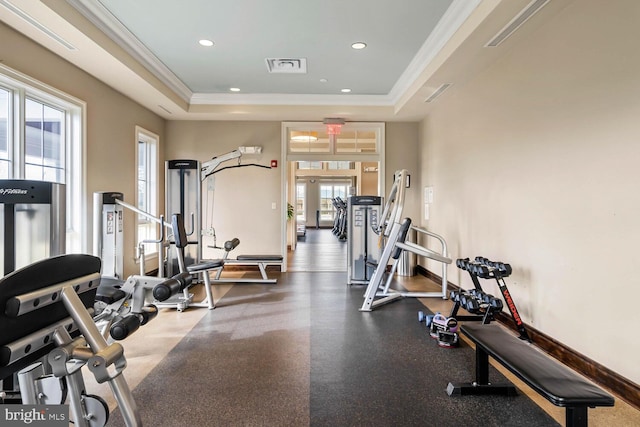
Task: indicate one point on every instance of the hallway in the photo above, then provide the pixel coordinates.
(319, 250)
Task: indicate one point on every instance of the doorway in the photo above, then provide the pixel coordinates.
(321, 192)
(349, 162)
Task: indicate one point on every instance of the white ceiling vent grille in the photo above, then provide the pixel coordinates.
(437, 92)
(287, 65)
(517, 22)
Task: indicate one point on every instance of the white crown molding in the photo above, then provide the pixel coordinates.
(289, 99)
(451, 21)
(99, 16)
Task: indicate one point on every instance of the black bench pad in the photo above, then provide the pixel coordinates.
(553, 380)
(259, 257)
(205, 265)
(109, 290)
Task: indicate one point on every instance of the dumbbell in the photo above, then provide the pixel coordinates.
(484, 261)
(496, 304)
(461, 263)
(426, 318)
(503, 269)
(464, 297)
(478, 293)
(472, 305)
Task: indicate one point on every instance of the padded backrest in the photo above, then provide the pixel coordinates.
(402, 236)
(230, 245)
(179, 233)
(42, 312)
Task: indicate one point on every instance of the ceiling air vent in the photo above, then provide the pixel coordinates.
(437, 92)
(517, 22)
(286, 65)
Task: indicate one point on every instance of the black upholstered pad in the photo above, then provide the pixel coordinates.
(259, 257)
(205, 265)
(553, 380)
(109, 290)
(33, 277)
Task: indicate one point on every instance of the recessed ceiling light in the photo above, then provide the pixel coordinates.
(323, 80)
(205, 42)
(359, 45)
(345, 90)
(234, 89)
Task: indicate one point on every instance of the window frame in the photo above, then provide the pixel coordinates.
(303, 209)
(152, 172)
(331, 216)
(21, 87)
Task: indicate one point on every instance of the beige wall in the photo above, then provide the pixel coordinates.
(535, 162)
(111, 121)
(369, 183)
(401, 152)
(243, 197)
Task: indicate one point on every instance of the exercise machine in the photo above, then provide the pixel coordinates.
(340, 221)
(393, 231)
(32, 220)
(183, 195)
(363, 251)
(183, 192)
(114, 291)
(47, 336)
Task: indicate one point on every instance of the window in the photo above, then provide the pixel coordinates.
(353, 139)
(147, 177)
(44, 147)
(309, 165)
(328, 192)
(301, 210)
(41, 138)
(5, 161)
(339, 165)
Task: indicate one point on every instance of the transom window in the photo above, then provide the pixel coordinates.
(319, 141)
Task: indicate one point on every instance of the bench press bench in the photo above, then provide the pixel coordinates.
(554, 381)
(262, 261)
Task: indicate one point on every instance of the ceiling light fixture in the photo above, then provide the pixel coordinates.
(304, 138)
(359, 45)
(234, 89)
(205, 42)
(345, 90)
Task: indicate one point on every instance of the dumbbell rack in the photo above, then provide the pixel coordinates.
(483, 268)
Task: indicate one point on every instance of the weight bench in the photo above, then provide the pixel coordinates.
(262, 261)
(45, 313)
(554, 381)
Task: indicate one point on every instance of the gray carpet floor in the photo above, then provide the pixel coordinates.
(299, 353)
